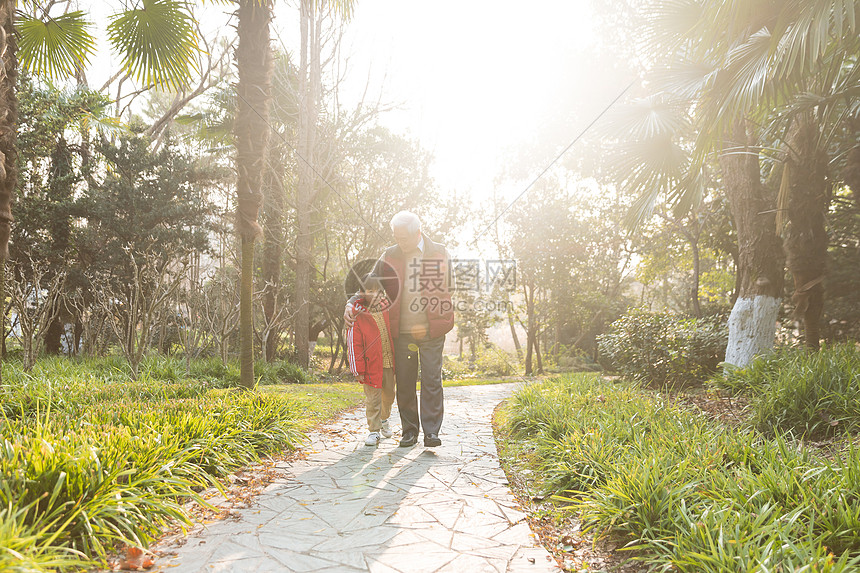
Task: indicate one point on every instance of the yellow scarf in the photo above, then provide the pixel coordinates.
(387, 353)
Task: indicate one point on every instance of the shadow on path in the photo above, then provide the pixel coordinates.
(349, 507)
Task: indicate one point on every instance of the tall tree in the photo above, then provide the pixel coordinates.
(752, 323)
(791, 67)
(310, 87)
(251, 137)
(312, 19)
(8, 149)
(278, 183)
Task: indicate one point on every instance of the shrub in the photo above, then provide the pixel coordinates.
(664, 349)
(453, 369)
(806, 393)
(493, 361)
(490, 360)
(281, 372)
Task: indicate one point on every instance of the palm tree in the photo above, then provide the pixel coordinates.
(312, 16)
(251, 136)
(752, 72)
(251, 133)
(8, 150)
(792, 67)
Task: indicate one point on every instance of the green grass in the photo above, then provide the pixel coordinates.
(812, 394)
(90, 458)
(318, 402)
(692, 494)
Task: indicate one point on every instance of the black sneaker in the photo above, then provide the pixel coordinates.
(408, 440)
(431, 441)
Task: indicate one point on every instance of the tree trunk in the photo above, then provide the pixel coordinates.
(246, 316)
(304, 247)
(694, 291)
(517, 346)
(54, 337)
(309, 89)
(752, 323)
(8, 131)
(805, 239)
(251, 131)
(736, 289)
(77, 335)
(2, 313)
(336, 333)
(273, 236)
(530, 327)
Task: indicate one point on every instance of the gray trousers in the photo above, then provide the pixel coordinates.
(406, 361)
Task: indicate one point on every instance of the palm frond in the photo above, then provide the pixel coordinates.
(689, 192)
(642, 208)
(109, 126)
(158, 43)
(684, 78)
(56, 47)
(652, 168)
(743, 83)
(724, 24)
(782, 198)
(668, 22)
(649, 117)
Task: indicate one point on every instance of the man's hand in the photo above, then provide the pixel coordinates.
(349, 314)
(359, 378)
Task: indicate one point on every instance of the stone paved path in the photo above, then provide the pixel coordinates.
(350, 508)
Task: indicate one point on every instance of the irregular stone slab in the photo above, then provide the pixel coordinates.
(348, 507)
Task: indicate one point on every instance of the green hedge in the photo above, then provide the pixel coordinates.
(664, 349)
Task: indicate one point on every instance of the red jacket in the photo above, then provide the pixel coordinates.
(364, 346)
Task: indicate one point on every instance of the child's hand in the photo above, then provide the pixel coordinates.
(349, 314)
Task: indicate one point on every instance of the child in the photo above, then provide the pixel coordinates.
(371, 357)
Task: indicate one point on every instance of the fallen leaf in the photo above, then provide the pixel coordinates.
(136, 560)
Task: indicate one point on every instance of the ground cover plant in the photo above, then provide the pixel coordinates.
(90, 459)
(810, 394)
(686, 492)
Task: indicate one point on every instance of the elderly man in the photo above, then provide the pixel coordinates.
(415, 274)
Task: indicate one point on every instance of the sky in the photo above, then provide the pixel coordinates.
(474, 78)
(476, 82)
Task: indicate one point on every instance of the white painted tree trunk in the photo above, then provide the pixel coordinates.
(752, 328)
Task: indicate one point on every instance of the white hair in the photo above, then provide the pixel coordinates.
(406, 220)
